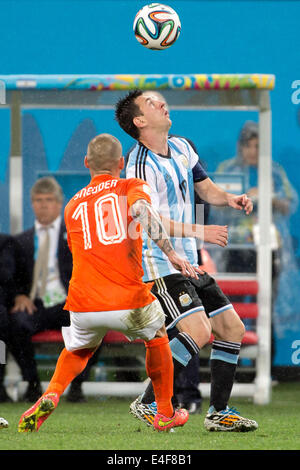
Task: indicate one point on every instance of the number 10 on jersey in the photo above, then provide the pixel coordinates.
(110, 228)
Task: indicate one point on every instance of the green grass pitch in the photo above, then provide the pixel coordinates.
(105, 424)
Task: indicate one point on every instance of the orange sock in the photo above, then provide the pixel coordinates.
(159, 367)
(68, 366)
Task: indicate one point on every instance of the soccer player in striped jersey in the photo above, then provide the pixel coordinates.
(196, 307)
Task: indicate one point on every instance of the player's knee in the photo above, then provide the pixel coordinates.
(202, 335)
(161, 332)
(241, 330)
(237, 329)
(198, 327)
(229, 328)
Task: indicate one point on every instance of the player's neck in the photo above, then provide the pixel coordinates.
(157, 142)
(113, 173)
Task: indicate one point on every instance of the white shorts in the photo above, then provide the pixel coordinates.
(88, 328)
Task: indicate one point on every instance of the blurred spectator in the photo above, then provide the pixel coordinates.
(242, 229)
(43, 271)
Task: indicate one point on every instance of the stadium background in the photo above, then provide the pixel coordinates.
(95, 37)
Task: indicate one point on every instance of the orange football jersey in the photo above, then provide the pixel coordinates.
(106, 246)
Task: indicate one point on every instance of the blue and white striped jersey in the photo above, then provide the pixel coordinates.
(171, 179)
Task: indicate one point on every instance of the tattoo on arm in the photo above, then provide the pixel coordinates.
(152, 224)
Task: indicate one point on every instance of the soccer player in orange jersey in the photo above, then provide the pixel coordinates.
(106, 291)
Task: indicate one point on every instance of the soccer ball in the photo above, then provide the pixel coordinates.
(3, 423)
(156, 26)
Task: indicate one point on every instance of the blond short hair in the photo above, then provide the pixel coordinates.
(104, 152)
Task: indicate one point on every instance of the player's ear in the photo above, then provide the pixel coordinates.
(139, 121)
(121, 163)
(86, 163)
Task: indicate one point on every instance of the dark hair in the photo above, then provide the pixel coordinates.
(126, 110)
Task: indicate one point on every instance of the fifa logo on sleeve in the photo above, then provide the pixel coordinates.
(296, 353)
(2, 352)
(2, 92)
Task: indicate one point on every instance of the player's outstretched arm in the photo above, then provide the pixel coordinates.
(152, 224)
(215, 234)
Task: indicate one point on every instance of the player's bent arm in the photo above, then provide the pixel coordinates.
(213, 194)
(151, 222)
